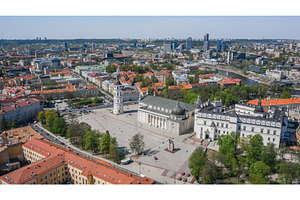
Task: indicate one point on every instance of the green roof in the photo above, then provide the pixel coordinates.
(166, 103)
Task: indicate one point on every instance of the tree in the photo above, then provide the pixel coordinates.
(170, 82)
(287, 172)
(41, 117)
(69, 95)
(197, 162)
(3, 124)
(285, 95)
(106, 141)
(137, 144)
(258, 172)
(59, 126)
(242, 166)
(97, 100)
(230, 100)
(50, 115)
(113, 153)
(269, 155)
(210, 173)
(12, 125)
(252, 145)
(76, 131)
(91, 139)
(49, 97)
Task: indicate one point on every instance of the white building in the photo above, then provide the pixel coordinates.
(276, 74)
(118, 98)
(211, 121)
(174, 117)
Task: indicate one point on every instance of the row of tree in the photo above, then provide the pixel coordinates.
(81, 134)
(246, 159)
(53, 121)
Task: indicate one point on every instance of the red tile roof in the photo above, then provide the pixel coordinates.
(274, 102)
(57, 155)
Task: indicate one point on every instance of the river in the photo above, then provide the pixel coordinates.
(244, 79)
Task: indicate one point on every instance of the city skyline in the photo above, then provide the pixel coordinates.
(156, 27)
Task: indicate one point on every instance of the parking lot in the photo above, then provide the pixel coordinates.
(124, 126)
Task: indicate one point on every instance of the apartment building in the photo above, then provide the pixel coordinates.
(53, 164)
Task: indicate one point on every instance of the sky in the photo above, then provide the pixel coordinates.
(139, 27)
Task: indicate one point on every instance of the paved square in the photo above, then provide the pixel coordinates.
(124, 126)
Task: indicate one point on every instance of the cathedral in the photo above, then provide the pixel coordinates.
(172, 116)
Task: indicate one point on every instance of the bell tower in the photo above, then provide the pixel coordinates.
(118, 98)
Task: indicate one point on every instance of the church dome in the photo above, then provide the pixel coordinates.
(178, 110)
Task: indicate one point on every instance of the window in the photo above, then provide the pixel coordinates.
(274, 132)
(252, 129)
(62, 174)
(66, 168)
(54, 178)
(45, 177)
(218, 124)
(66, 173)
(244, 128)
(50, 174)
(226, 125)
(273, 139)
(268, 139)
(51, 180)
(262, 130)
(41, 179)
(57, 170)
(222, 125)
(243, 135)
(268, 131)
(204, 122)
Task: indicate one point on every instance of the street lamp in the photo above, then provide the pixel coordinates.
(140, 166)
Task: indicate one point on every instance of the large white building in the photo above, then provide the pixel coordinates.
(212, 121)
(173, 116)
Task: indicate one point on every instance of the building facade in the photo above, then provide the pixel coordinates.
(212, 121)
(174, 117)
(53, 164)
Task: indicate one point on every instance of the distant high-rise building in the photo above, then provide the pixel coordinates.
(224, 47)
(206, 37)
(206, 46)
(206, 42)
(173, 45)
(189, 43)
(219, 46)
(93, 46)
(167, 47)
(66, 46)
